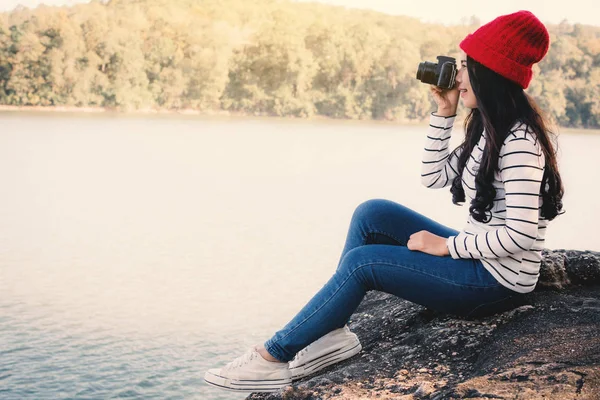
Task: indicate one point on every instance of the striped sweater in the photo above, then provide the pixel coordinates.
(510, 244)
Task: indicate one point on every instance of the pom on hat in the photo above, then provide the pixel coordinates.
(509, 45)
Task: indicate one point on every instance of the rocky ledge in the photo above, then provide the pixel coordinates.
(547, 348)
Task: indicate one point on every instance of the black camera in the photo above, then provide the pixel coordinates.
(442, 74)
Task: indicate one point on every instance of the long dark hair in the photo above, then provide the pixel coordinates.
(500, 104)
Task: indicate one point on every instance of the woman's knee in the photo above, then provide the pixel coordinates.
(368, 209)
(353, 262)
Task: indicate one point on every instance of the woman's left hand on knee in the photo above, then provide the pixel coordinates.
(429, 243)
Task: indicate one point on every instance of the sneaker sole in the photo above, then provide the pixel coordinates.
(246, 385)
(325, 361)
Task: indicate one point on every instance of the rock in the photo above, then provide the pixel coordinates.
(548, 348)
(561, 268)
(424, 390)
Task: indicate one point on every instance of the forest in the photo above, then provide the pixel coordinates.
(261, 57)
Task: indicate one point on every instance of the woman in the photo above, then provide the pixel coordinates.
(506, 167)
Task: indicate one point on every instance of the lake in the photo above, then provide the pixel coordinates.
(138, 251)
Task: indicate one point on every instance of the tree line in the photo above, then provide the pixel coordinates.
(267, 57)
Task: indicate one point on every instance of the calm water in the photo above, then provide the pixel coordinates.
(135, 252)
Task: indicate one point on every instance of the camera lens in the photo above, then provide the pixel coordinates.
(426, 72)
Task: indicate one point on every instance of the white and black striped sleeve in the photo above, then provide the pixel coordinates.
(439, 166)
(521, 166)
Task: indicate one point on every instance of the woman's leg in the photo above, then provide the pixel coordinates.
(440, 283)
(381, 221)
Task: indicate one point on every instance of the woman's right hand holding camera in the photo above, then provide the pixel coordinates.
(446, 100)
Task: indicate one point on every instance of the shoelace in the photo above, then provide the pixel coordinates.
(302, 352)
(305, 350)
(242, 360)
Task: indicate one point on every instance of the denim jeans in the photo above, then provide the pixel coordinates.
(375, 257)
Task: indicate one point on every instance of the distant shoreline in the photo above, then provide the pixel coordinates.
(190, 112)
(105, 109)
(223, 113)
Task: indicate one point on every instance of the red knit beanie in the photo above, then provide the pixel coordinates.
(509, 45)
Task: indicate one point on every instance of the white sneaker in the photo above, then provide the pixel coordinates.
(334, 347)
(250, 373)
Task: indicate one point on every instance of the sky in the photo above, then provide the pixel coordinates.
(452, 11)
(440, 11)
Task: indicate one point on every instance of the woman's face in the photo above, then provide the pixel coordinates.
(464, 85)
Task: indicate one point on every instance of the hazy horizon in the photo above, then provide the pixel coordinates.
(436, 11)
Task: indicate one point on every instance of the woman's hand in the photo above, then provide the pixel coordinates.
(446, 99)
(429, 243)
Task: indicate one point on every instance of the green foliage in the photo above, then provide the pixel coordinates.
(266, 57)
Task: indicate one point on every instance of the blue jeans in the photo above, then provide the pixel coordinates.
(375, 257)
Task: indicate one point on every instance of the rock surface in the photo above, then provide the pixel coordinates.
(547, 348)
